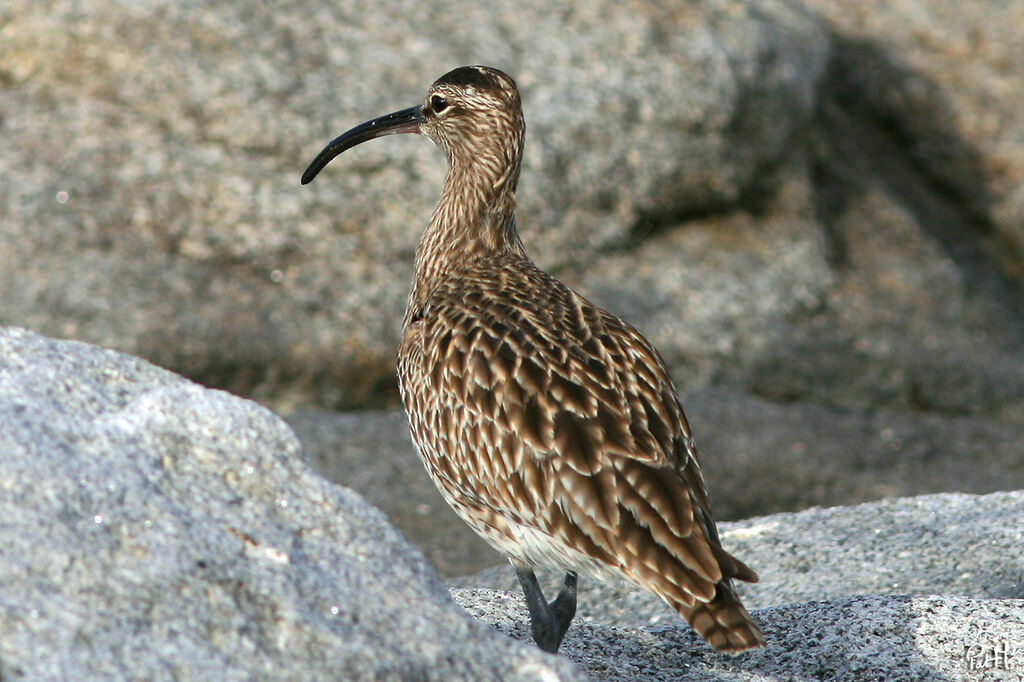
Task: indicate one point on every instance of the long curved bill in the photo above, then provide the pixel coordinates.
(404, 121)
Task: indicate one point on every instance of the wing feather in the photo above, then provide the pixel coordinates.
(571, 416)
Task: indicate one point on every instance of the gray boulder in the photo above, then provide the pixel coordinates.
(860, 639)
(372, 453)
(813, 201)
(157, 530)
(154, 203)
(947, 68)
(924, 588)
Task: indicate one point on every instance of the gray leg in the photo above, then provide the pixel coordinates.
(548, 622)
(564, 606)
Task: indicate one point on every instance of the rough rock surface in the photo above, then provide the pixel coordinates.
(910, 589)
(947, 66)
(808, 202)
(157, 530)
(861, 639)
(813, 208)
(160, 530)
(150, 167)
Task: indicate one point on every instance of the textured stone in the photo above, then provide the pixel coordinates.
(944, 75)
(864, 637)
(906, 589)
(154, 529)
(762, 457)
(157, 529)
(371, 452)
(812, 202)
(150, 166)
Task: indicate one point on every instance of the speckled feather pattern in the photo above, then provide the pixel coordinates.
(551, 426)
(553, 430)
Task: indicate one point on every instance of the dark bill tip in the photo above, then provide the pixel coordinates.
(404, 121)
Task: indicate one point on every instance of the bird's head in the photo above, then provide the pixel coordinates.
(473, 113)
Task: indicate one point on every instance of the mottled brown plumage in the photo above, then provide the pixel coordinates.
(551, 426)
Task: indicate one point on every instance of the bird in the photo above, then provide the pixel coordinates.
(550, 426)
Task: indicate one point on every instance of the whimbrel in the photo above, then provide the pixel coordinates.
(549, 425)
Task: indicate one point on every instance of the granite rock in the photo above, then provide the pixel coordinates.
(808, 201)
(157, 530)
(859, 638)
(923, 588)
(150, 167)
(946, 67)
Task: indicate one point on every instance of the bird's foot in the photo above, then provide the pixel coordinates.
(548, 622)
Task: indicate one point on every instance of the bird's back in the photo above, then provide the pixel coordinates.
(553, 428)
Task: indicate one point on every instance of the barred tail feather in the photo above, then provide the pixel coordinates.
(723, 622)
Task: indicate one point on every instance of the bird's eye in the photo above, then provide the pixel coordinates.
(438, 104)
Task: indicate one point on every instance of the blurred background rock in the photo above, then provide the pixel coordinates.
(814, 210)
